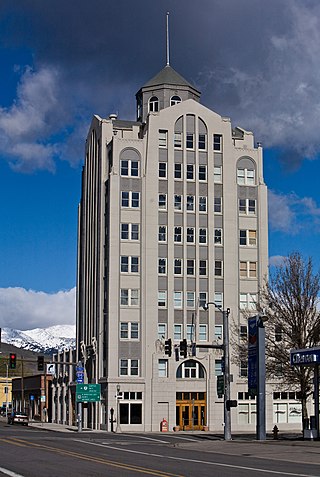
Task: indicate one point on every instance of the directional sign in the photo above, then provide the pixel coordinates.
(88, 392)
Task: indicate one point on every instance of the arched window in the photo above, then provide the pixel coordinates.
(246, 171)
(153, 104)
(175, 100)
(191, 369)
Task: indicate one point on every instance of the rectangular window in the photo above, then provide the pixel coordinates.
(190, 234)
(218, 299)
(162, 235)
(178, 171)
(243, 331)
(252, 237)
(130, 413)
(177, 266)
(178, 234)
(202, 299)
(177, 334)
(190, 172)
(190, 203)
(162, 299)
(202, 236)
(163, 368)
(278, 333)
(129, 297)
(190, 267)
(247, 206)
(162, 266)
(177, 299)
(162, 201)
(177, 202)
(245, 176)
(202, 173)
(163, 138)
(218, 367)
(129, 367)
(218, 330)
(248, 237)
(162, 170)
(190, 333)
(129, 264)
(134, 232)
(252, 269)
(202, 143)
(202, 204)
(124, 264)
(190, 299)
(129, 330)
(217, 174)
(130, 199)
(162, 331)
(177, 140)
(203, 333)
(203, 267)
(130, 168)
(218, 268)
(217, 205)
(248, 301)
(129, 231)
(189, 140)
(218, 236)
(243, 368)
(217, 142)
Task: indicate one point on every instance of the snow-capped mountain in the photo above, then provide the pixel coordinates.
(41, 340)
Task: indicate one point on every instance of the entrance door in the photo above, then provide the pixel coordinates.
(191, 411)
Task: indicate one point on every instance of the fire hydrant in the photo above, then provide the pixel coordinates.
(275, 432)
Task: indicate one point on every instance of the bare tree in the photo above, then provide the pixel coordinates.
(291, 298)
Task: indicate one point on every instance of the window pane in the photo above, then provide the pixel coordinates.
(135, 199)
(135, 413)
(190, 202)
(190, 172)
(134, 330)
(124, 330)
(162, 233)
(134, 231)
(177, 202)
(178, 171)
(189, 141)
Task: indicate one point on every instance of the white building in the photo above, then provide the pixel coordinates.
(173, 214)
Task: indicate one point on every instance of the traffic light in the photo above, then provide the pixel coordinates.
(168, 347)
(176, 352)
(40, 363)
(12, 361)
(184, 348)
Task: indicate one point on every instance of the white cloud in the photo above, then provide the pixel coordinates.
(290, 213)
(27, 309)
(276, 260)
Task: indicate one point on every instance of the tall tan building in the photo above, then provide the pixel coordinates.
(173, 214)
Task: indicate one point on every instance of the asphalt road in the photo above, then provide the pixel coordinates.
(32, 452)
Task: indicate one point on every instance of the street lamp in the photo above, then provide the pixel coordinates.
(118, 428)
(227, 415)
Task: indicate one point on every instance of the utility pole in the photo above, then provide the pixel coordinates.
(226, 395)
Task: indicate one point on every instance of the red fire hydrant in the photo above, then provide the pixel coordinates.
(164, 425)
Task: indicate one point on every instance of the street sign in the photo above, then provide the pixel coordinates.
(51, 369)
(88, 392)
(80, 377)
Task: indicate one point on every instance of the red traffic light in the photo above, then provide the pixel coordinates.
(12, 361)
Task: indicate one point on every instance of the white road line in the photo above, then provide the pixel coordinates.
(184, 438)
(196, 461)
(10, 473)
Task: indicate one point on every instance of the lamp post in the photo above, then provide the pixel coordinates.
(118, 428)
(227, 415)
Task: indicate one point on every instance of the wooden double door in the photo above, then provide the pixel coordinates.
(191, 411)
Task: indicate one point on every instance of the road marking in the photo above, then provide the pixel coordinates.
(147, 438)
(131, 467)
(9, 441)
(196, 461)
(9, 472)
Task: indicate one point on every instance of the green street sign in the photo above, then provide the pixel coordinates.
(88, 392)
(220, 385)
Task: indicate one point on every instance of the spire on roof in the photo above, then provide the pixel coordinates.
(167, 42)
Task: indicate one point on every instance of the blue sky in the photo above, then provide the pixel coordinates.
(62, 62)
